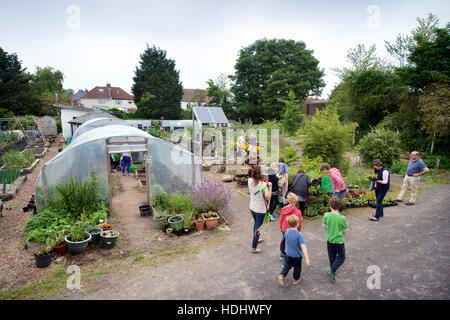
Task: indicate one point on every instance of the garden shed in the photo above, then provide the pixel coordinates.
(170, 166)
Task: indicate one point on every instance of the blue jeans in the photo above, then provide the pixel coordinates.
(126, 162)
(336, 255)
(259, 220)
(380, 196)
(341, 194)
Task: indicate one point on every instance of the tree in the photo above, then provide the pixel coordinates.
(326, 136)
(293, 116)
(157, 88)
(265, 73)
(366, 97)
(47, 99)
(47, 79)
(426, 30)
(434, 104)
(220, 95)
(360, 60)
(400, 49)
(429, 61)
(15, 92)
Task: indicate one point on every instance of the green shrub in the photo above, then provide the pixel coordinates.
(381, 144)
(325, 136)
(430, 161)
(180, 203)
(289, 154)
(399, 167)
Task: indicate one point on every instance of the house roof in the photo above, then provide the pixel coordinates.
(315, 100)
(108, 92)
(77, 96)
(189, 95)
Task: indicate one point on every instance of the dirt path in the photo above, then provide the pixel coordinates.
(125, 207)
(409, 245)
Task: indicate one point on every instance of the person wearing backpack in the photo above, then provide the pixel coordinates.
(300, 185)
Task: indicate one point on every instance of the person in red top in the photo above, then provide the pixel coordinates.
(286, 212)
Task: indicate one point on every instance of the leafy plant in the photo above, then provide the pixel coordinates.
(13, 159)
(188, 215)
(161, 201)
(78, 232)
(180, 203)
(381, 144)
(8, 176)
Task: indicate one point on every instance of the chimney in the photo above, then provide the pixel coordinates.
(108, 85)
(86, 91)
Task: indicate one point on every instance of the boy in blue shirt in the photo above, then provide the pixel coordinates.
(295, 248)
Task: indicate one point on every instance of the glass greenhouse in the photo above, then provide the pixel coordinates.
(171, 167)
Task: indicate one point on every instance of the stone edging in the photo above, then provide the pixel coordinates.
(14, 188)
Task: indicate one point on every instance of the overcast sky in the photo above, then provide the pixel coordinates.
(94, 42)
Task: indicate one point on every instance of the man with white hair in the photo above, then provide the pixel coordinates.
(416, 168)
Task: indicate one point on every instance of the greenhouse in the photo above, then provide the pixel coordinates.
(170, 167)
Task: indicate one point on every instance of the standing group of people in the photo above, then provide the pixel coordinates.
(265, 193)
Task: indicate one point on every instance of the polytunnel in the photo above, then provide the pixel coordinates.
(170, 168)
(96, 123)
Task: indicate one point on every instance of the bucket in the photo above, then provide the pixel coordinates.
(78, 247)
(144, 210)
(176, 222)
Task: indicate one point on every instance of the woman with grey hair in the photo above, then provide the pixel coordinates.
(381, 186)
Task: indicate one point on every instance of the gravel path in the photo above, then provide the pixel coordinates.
(17, 266)
(410, 246)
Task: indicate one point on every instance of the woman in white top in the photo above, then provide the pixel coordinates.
(259, 193)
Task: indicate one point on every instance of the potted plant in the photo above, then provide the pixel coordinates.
(77, 240)
(43, 256)
(160, 221)
(109, 238)
(60, 244)
(176, 222)
(199, 223)
(105, 226)
(95, 233)
(211, 219)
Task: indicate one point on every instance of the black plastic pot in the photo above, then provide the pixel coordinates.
(43, 261)
(145, 210)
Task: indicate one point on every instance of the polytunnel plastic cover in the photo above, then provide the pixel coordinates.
(172, 167)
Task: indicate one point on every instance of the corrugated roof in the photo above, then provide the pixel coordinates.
(91, 115)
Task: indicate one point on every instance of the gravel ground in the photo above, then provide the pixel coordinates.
(17, 265)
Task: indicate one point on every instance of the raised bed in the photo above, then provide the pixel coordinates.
(8, 192)
(30, 168)
(142, 185)
(39, 152)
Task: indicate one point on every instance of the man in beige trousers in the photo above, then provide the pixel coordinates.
(416, 168)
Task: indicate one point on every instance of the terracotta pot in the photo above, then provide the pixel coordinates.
(104, 228)
(61, 249)
(211, 223)
(199, 225)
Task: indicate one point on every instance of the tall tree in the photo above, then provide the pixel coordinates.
(429, 60)
(434, 104)
(15, 95)
(265, 73)
(157, 88)
(426, 30)
(400, 49)
(220, 95)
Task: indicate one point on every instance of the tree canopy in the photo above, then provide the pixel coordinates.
(157, 88)
(266, 71)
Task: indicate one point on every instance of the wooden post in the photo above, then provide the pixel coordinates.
(108, 169)
(438, 161)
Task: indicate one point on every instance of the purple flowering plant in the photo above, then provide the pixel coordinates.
(209, 196)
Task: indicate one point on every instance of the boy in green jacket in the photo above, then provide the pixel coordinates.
(335, 225)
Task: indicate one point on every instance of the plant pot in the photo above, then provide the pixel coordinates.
(211, 223)
(108, 242)
(144, 210)
(95, 233)
(105, 226)
(160, 221)
(78, 247)
(61, 249)
(169, 230)
(176, 222)
(44, 260)
(199, 225)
